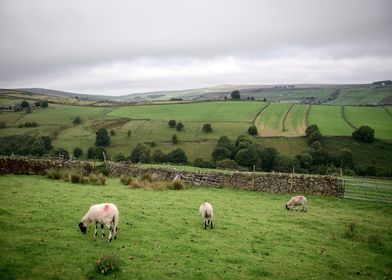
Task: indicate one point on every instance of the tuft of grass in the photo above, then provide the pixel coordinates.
(176, 185)
(105, 265)
(75, 177)
(125, 180)
(53, 173)
(350, 230)
(146, 177)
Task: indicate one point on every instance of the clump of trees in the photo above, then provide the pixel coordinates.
(102, 137)
(172, 123)
(143, 155)
(96, 153)
(77, 121)
(28, 124)
(235, 94)
(364, 134)
(313, 134)
(207, 128)
(252, 130)
(25, 145)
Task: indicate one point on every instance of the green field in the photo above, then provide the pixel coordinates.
(329, 120)
(203, 111)
(269, 122)
(376, 118)
(362, 96)
(161, 234)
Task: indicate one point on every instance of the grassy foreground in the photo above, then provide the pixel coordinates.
(161, 235)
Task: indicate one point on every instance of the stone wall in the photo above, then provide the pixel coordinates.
(32, 166)
(265, 182)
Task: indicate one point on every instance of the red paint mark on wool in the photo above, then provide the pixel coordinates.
(106, 208)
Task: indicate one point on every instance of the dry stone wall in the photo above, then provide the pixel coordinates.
(265, 182)
(32, 166)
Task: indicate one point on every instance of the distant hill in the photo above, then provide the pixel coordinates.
(377, 93)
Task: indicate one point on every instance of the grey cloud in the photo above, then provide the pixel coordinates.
(42, 40)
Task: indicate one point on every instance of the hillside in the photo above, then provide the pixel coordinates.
(335, 94)
(280, 125)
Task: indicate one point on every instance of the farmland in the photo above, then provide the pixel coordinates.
(161, 234)
(276, 122)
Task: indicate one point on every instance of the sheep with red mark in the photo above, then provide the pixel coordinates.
(297, 201)
(207, 212)
(105, 214)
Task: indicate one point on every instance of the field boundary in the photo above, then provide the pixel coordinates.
(307, 115)
(285, 117)
(388, 112)
(368, 190)
(259, 112)
(343, 112)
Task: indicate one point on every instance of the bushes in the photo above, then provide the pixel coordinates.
(364, 134)
(252, 130)
(75, 176)
(207, 128)
(147, 182)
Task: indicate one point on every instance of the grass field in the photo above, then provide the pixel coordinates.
(203, 111)
(362, 96)
(329, 119)
(161, 235)
(269, 122)
(376, 118)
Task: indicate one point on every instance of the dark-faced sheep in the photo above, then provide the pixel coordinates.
(297, 201)
(207, 213)
(105, 214)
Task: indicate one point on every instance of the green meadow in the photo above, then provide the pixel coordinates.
(161, 234)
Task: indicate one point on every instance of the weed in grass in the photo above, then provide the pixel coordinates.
(350, 230)
(101, 179)
(104, 265)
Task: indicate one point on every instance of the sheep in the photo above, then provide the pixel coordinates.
(297, 201)
(207, 213)
(104, 214)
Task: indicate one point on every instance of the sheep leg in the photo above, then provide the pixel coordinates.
(96, 229)
(115, 233)
(211, 224)
(103, 231)
(205, 224)
(110, 233)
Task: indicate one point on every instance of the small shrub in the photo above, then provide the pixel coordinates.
(85, 181)
(146, 177)
(125, 180)
(53, 173)
(93, 178)
(107, 264)
(176, 185)
(102, 179)
(76, 178)
(350, 230)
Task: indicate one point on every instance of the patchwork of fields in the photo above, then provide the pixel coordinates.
(148, 123)
(161, 234)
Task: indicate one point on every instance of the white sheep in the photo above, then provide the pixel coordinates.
(297, 201)
(207, 213)
(105, 214)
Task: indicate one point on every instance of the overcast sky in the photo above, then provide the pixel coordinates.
(121, 47)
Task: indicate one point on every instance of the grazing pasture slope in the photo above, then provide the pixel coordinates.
(161, 234)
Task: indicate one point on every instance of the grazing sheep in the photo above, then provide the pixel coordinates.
(297, 201)
(207, 213)
(105, 214)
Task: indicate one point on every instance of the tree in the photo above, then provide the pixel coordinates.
(77, 121)
(44, 104)
(252, 130)
(199, 162)
(268, 158)
(46, 142)
(221, 153)
(313, 134)
(207, 128)
(179, 126)
(235, 94)
(37, 104)
(247, 157)
(129, 133)
(177, 156)
(174, 139)
(96, 153)
(102, 137)
(158, 156)
(172, 123)
(77, 152)
(364, 134)
(141, 154)
(24, 104)
(311, 129)
(112, 132)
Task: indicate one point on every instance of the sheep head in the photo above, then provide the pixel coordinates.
(82, 227)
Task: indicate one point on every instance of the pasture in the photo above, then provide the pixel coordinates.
(161, 235)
